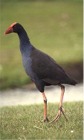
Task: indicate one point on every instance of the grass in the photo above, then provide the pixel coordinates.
(53, 27)
(25, 123)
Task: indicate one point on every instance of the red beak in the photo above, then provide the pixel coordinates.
(9, 30)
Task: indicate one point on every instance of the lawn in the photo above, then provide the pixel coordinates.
(53, 27)
(25, 123)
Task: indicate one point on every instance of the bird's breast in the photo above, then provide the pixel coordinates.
(27, 63)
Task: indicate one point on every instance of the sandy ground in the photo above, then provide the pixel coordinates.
(27, 97)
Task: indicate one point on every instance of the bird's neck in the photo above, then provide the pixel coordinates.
(25, 44)
(24, 39)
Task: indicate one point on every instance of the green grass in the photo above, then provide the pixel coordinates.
(53, 27)
(25, 123)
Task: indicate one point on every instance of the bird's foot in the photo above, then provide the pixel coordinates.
(46, 120)
(60, 112)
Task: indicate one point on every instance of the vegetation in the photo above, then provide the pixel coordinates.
(53, 27)
(25, 122)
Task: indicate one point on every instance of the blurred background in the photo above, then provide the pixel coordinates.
(53, 26)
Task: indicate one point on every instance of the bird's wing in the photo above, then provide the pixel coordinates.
(46, 68)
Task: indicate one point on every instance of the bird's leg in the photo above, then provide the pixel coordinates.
(45, 107)
(61, 110)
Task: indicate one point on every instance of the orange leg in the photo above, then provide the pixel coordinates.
(45, 107)
(62, 95)
(61, 110)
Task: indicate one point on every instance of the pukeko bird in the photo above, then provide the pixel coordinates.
(41, 68)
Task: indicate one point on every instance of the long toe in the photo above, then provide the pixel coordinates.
(62, 111)
(56, 117)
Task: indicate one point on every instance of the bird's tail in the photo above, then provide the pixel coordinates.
(71, 81)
